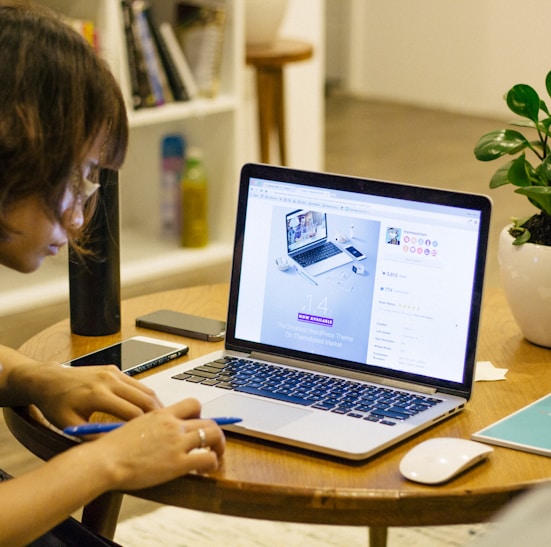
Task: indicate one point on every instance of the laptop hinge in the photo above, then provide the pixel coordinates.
(362, 376)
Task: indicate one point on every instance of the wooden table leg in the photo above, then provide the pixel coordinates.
(271, 111)
(266, 118)
(378, 536)
(279, 106)
(101, 515)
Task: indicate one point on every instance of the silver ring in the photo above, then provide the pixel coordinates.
(202, 438)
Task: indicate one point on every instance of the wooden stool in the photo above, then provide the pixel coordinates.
(269, 62)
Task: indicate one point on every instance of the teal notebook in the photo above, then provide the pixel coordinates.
(527, 429)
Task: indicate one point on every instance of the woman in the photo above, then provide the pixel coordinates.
(61, 117)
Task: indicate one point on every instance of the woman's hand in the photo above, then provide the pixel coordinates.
(160, 446)
(151, 449)
(69, 396)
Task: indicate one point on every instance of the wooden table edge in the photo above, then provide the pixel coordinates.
(366, 507)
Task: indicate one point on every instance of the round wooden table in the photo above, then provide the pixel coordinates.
(268, 481)
(269, 62)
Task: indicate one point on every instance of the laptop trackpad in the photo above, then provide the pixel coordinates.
(256, 414)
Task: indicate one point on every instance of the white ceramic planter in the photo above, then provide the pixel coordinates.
(526, 278)
(262, 21)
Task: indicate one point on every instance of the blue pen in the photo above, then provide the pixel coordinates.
(95, 428)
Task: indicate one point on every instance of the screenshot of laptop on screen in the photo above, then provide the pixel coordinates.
(394, 288)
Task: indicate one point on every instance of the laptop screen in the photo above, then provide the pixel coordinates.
(305, 228)
(408, 302)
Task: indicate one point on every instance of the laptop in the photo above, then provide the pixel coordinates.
(308, 244)
(365, 355)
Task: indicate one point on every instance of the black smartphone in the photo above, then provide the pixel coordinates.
(184, 324)
(133, 355)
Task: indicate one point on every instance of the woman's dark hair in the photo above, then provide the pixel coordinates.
(56, 97)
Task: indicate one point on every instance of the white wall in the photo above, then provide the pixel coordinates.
(337, 29)
(304, 88)
(459, 55)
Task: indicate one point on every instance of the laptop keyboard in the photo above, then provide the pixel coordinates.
(341, 396)
(313, 256)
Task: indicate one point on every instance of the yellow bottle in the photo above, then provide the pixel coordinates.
(194, 201)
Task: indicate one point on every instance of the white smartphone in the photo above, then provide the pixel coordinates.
(133, 355)
(184, 324)
(358, 255)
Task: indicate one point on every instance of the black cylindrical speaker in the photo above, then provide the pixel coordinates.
(94, 279)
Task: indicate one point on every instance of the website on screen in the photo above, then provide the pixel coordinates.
(399, 299)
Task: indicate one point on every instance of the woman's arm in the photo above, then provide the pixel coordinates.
(155, 447)
(152, 449)
(69, 396)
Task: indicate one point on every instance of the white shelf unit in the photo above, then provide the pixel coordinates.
(212, 124)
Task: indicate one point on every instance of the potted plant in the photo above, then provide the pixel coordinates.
(525, 246)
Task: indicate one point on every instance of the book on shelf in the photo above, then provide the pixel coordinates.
(175, 81)
(179, 59)
(158, 69)
(200, 26)
(155, 70)
(142, 95)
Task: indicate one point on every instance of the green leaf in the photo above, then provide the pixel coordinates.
(540, 196)
(520, 222)
(544, 171)
(501, 176)
(522, 239)
(523, 123)
(545, 124)
(524, 101)
(521, 173)
(548, 83)
(497, 143)
(542, 125)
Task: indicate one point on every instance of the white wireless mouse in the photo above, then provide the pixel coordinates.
(438, 460)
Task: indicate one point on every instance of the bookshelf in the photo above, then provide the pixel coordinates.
(211, 123)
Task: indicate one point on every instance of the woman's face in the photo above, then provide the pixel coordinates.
(36, 234)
